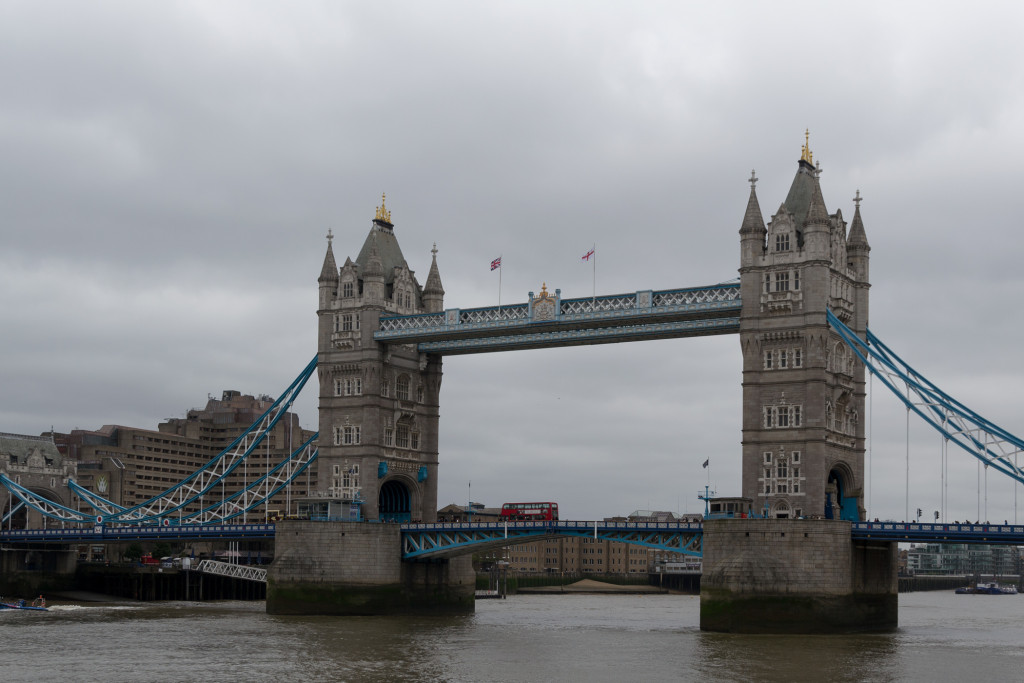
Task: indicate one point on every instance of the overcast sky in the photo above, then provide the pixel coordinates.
(169, 171)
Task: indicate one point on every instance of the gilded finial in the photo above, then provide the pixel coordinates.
(857, 199)
(805, 151)
(753, 180)
(434, 250)
(330, 236)
(382, 212)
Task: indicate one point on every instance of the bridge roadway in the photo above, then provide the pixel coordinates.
(449, 539)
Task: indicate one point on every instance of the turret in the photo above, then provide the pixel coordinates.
(328, 276)
(752, 231)
(857, 244)
(374, 285)
(857, 249)
(433, 292)
(817, 227)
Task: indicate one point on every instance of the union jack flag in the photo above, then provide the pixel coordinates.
(586, 257)
(496, 263)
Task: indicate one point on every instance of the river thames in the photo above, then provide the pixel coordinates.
(942, 637)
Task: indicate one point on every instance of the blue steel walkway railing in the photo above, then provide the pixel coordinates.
(548, 320)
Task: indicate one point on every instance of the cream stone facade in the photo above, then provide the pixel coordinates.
(803, 389)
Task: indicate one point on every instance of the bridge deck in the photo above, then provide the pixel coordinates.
(104, 533)
(910, 532)
(548, 321)
(505, 533)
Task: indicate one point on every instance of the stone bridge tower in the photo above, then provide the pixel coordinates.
(378, 403)
(803, 390)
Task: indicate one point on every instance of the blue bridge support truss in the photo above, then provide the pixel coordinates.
(434, 541)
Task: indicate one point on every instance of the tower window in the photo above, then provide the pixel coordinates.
(353, 386)
(346, 290)
(782, 282)
(350, 478)
(402, 388)
(782, 242)
(796, 280)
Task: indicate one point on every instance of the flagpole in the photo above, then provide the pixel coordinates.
(499, 286)
(594, 294)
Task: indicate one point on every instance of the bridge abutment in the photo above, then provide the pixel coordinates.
(353, 568)
(795, 576)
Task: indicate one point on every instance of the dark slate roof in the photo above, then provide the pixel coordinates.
(753, 222)
(857, 236)
(816, 212)
(381, 236)
(330, 268)
(433, 285)
(800, 192)
(22, 447)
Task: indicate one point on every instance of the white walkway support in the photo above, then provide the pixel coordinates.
(235, 571)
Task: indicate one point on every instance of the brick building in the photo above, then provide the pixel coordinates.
(130, 465)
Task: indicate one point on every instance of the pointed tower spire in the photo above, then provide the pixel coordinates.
(858, 238)
(329, 273)
(753, 221)
(433, 292)
(817, 214)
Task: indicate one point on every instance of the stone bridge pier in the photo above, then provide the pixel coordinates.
(795, 576)
(352, 568)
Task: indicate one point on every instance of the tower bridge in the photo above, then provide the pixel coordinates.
(800, 310)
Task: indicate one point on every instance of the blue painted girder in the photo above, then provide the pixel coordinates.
(443, 540)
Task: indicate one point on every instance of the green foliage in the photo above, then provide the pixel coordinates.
(161, 550)
(133, 552)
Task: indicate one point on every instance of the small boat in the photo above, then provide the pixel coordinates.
(37, 605)
(990, 588)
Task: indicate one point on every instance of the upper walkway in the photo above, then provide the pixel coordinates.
(547, 320)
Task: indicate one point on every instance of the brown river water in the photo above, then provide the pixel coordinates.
(593, 638)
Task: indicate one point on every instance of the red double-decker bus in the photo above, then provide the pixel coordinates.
(529, 512)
